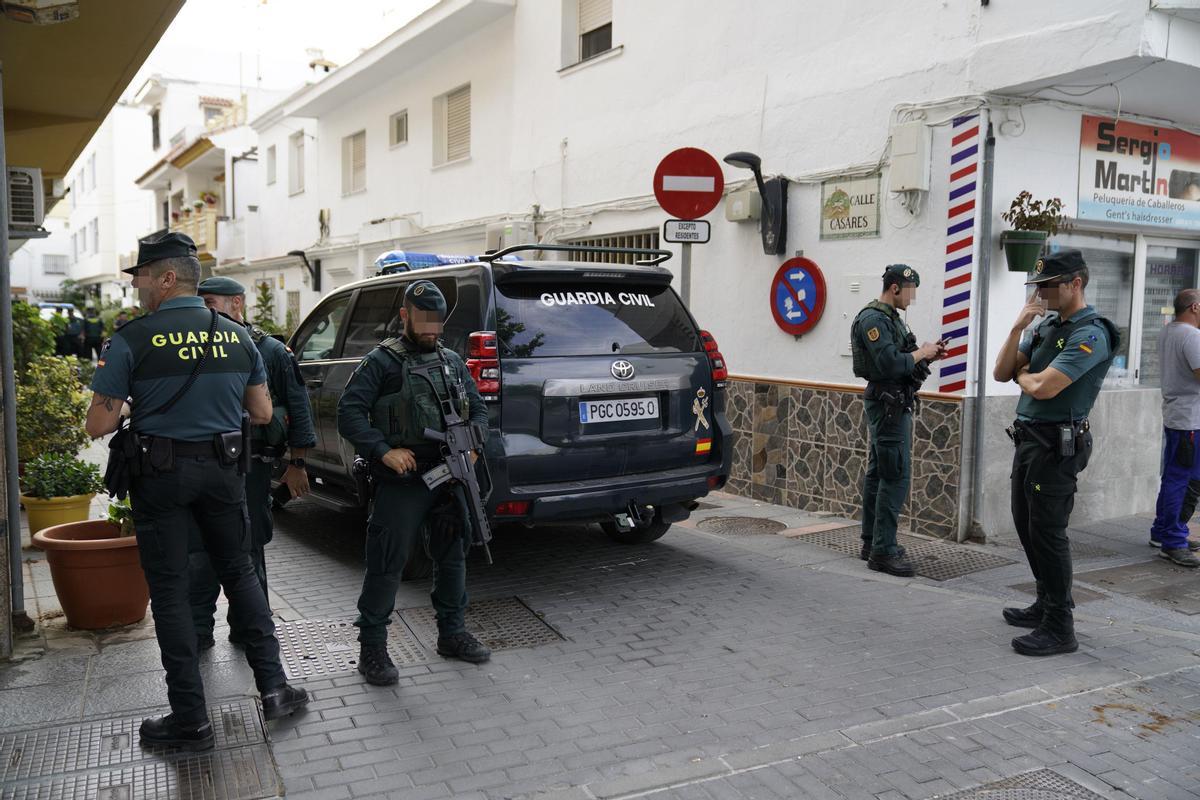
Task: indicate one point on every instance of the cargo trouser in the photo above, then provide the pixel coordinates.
(1043, 496)
(204, 584)
(203, 494)
(1179, 490)
(399, 515)
(889, 473)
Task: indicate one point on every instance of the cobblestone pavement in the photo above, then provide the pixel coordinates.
(705, 665)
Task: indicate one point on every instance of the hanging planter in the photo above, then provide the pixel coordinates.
(1033, 223)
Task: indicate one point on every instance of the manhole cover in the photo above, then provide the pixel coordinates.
(310, 648)
(740, 526)
(25, 755)
(1158, 581)
(1043, 784)
(939, 561)
(502, 623)
(246, 773)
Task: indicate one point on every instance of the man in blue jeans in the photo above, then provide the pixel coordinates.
(1179, 366)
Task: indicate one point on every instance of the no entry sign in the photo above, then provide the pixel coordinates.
(688, 183)
(797, 296)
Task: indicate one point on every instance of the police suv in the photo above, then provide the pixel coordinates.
(606, 400)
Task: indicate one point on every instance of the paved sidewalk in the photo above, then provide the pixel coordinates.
(711, 664)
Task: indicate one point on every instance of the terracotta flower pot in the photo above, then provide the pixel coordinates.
(97, 573)
(46, 511)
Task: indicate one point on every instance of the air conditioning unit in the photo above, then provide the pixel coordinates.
(505, 234)
(26, 201)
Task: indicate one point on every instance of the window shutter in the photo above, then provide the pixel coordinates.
(358, 160)
(271, 164)
(296, 163)
(458, 124)
(594, 14)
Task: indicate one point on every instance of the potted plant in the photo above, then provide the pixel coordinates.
(1033, 222)
(198, 205)
(58, 488)
(96, 570)
(175, 216)
(187, 211)
(209, 198)
(51, 408)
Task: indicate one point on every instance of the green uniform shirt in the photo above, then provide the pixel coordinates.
(379, 374)
(151, 357)
(1082, 348)
(879, 338)
(287, 389)
(93, 327)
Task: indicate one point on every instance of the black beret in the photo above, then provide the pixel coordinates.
(901, 274)
(1056, 265)
(221, 285)
(170, 245)
(426, 296)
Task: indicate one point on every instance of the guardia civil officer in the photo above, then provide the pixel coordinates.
(93, 333)
(209, 366)
(383, 412)
(290, 429)
(886, 355)
(1059, 367)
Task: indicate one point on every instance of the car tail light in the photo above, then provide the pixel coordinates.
(483, 362)
(513, 508)
(715, 359)
(716, 481)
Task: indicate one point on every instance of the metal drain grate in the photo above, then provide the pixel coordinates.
(245, 773)
(740, 526)
(939, 561)
(312, 648)
(53, 751)
(1088, 550)
(1042, 784)
(503, 623)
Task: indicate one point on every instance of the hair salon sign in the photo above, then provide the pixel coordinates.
(850, 208)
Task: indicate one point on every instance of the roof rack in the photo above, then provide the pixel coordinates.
(659, 256)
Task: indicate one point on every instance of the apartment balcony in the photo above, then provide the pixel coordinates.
(201, 225)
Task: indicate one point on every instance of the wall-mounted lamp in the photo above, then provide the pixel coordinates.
(314, 272)
(773, 192)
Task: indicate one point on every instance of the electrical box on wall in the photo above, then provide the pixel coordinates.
(909, 168)
(743, 205)
(506, 234)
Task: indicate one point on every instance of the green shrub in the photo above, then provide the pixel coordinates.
(121, 515)
(51, 409)
(57, 475)
(32, 336)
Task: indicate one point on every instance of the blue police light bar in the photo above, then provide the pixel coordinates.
(394, 261)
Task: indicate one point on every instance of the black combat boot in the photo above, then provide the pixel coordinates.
(376, 665)
(463, 646)
(1045, 642)
(896, 565)
(1029, 617)
(865, 553)
(166, 732)
(284, 701)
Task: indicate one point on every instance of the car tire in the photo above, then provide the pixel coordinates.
(642, 534)
(418, 565)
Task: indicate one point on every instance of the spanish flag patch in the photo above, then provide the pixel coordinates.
(1085, 349)
(703, 446)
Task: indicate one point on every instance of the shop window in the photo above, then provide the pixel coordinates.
(1110, 260)
(1169, 268)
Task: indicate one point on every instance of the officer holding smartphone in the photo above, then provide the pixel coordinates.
(1059, 366)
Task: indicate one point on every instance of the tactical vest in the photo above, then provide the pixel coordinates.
(1075, 401)
(274, 433)
(403, 416)
(863, 365)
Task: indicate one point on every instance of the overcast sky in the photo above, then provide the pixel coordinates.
(239, 42)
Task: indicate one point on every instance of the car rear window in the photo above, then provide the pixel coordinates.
(579, 319)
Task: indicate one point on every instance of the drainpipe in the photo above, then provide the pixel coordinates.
(981, 319)
(12, 489)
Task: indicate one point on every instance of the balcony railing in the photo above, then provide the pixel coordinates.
(201, 225)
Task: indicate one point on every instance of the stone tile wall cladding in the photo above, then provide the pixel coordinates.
(807, 448)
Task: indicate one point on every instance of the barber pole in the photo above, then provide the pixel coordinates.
(960, 251)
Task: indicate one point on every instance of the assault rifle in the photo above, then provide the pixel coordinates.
(461, 438)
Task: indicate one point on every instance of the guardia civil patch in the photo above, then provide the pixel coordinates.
(873, 334)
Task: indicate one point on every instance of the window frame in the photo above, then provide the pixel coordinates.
(393, 142)
(301, 340)
(156, 127)
(441, 126)
(272, 165)
(296, 148)
(348, 172)
(48, 258)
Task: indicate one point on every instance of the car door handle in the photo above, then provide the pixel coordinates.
(314, 383)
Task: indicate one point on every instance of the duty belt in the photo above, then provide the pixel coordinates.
(1043, 432)
(182, 448)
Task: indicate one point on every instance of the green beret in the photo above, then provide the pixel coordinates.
(901, 274)
(1057, 265)
(169, 245)
(426, 296)
(220, 285)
